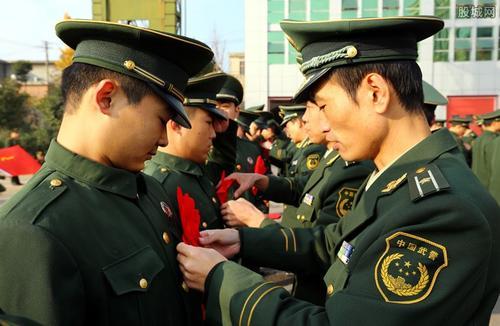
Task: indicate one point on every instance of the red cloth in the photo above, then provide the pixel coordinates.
(15, 160)
(190, 219)
(274, 216)
(223, 189)
(260, 166)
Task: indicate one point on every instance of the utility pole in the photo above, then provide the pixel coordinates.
(46, 47)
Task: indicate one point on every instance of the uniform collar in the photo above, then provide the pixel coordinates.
(176, 163)
(106, 178)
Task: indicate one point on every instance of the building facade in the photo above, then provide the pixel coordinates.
(462, 61)
(162, 15)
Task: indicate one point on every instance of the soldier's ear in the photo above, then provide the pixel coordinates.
(104, 91)
(376, 90)
(174, 126)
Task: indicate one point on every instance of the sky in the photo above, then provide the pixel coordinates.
(26, 24)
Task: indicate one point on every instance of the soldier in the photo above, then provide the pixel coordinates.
(482, 148)
(408, 250)
(494, 181)
(181, 164)
(432, 98)
(458, 128)
(90, 239)
(229, 99)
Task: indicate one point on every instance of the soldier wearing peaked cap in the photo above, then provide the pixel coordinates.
(482, 148)
(398, 256)
(90, 239)
(459, 127)
(183, 165)
(432, 98)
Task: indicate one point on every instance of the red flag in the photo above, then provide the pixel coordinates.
(223, 189)
(15, 160)
(190, 219)
(260, 166)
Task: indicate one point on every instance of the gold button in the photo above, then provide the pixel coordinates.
(163, 170)
(185, 287)
(55, 183)
(303, 218)
(204, 224)
(329, 289)
(352, 52)
(214, 200)
(166, 238)
(143, 283)
(129, 64)
(298, 217)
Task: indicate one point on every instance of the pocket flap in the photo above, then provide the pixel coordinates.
(134, 272)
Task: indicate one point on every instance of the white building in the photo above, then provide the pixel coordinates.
(462, 61)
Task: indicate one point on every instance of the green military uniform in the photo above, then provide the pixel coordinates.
(399, 256)
(85, 243)
(322, 199)
(305, 160)
(482, 149)
(8, 320)
(455, 120)
(494, 175)
(281, 153)
(192, 178)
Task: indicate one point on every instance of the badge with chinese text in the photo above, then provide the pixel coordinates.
(408, 269)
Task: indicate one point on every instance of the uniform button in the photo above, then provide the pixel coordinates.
(55, 183)
(185, 287)
(214, 200)
(143, 283)
(204, 224)
(298, 217)
(163, 170)
(329, 289)
(166, 238)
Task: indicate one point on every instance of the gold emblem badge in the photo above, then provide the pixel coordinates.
(346, 198)
(408, 269)
(394, 184)
(312, 161)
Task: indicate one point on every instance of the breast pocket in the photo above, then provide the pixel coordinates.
(130, 278)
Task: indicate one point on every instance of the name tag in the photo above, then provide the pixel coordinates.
(345, 252)
(294, 162)
(308, 199)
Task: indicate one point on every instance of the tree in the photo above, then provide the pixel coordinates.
(13, 105)
(65, 58)
(21, 70)
(219, 49)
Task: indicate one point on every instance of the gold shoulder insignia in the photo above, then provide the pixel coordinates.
(394, 184)
(425, 181)
(330, 162)
(408, 269)
(346, 198)
(312, 161)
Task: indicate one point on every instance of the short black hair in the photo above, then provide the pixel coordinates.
(404, 76)
(78, 77)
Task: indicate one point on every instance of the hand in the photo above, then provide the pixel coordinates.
(226, 242)
(247, 181)
(241, 213)
(195, 264)
(221, 125)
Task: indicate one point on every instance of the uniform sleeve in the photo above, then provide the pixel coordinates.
(284, 189)
(222, 157)
(448, 285)
(39, 279)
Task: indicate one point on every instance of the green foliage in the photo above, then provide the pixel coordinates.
(13, 105)
(21, 69)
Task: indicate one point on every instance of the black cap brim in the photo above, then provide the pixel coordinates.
(302, 95)
(179, 114)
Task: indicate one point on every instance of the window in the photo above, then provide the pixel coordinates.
(275, 48)
(390, 8)
(297, 9)
(442, 9)
(349, 8)
(320, 9)
(275, 11)
(441, 45)
(484, 43)
(462, 43)
(369, 8)
(411, 7)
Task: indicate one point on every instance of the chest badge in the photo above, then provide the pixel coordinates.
(345, 252)
(308, 199)
(249, 160)
(166, 209)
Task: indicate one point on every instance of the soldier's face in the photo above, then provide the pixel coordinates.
(136, 131)
(356, 129)
(293, 130)
(230, 108)
(197, 141)
(315, 125)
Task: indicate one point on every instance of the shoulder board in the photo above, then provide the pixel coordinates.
(426, 180)
(332, 160)
(40, 196)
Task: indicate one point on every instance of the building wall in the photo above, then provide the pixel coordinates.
(163, 15)
(464, 59)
